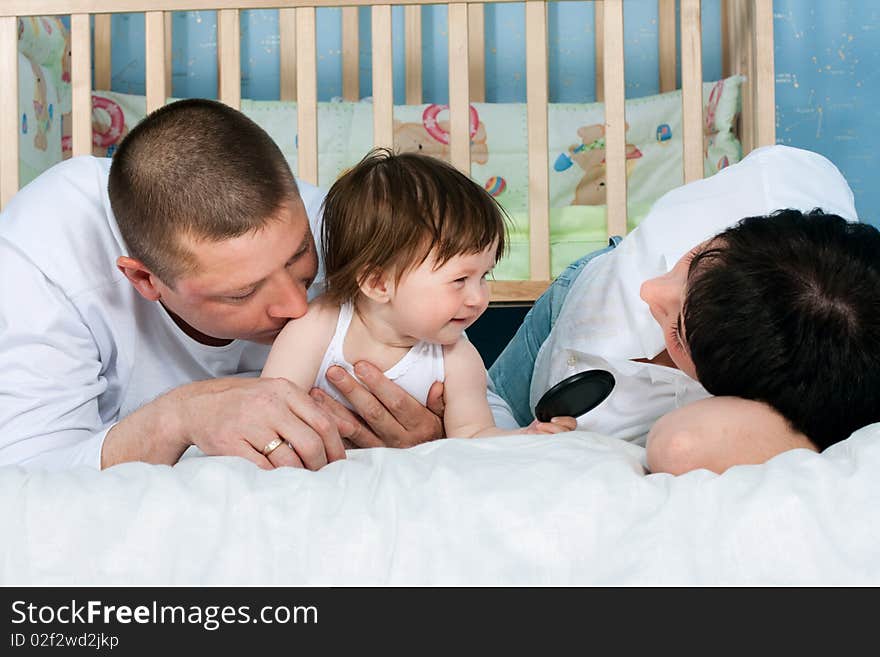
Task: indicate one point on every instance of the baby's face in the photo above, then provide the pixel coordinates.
(665, 297)
(437, 304)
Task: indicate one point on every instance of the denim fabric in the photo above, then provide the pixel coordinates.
(511, 374)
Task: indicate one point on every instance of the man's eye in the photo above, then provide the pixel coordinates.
(241, 297)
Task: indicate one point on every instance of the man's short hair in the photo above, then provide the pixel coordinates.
(199, 168)
(394, 210)
(785, 309)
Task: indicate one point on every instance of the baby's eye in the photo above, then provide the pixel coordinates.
(461, 280)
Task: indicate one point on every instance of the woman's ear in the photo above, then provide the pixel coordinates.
(378, 285)
(143, 280)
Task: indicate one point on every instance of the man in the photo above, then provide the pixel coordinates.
(138, 298)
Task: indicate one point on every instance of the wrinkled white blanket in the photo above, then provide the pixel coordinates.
(521, 510)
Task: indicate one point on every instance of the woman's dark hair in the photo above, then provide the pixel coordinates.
(785, 309)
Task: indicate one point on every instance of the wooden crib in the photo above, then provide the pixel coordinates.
(747, 48)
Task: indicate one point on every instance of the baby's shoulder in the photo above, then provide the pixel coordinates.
(461, 354)
(321, 309)
(320, 319)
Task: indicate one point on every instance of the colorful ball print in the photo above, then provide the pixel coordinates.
(495, 185)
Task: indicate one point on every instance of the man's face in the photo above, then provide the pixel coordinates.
(665, 297)
(246, 287)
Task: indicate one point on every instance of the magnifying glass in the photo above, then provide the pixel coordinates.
(575, 395)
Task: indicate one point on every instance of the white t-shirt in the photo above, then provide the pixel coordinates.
(80, 349)
(604, 324)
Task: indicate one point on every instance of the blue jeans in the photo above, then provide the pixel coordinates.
(511, 373)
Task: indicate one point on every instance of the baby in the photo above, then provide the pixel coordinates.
(408, 242)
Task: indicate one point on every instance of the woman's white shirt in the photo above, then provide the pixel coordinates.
(604, 324)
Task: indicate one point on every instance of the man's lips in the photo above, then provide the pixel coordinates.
(270, 333)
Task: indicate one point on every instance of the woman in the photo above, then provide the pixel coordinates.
(673, 312)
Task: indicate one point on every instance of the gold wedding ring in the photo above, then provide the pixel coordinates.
(271, 446)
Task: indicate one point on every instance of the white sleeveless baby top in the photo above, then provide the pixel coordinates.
(416, 372)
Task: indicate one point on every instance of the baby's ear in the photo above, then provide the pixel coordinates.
(377, 285)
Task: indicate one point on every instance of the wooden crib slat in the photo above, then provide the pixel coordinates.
(738, 27)
(8, 109)
(287, 52)
(154, 30)
(383, 80)
(412, 17)
(229, 57)
(666, 35)
(692, 90)
(169, 67)
(59, 7)
(615, 119)
(306, 95)
(477, 53)
(599, 43)
(746, 65)
(765, 83)
(459, 113)
(536, 118)
(80, 85)
(103, 60)
(350, 54)
(728, 39)
(510, 291)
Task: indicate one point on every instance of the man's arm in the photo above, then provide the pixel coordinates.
(51, 381)
(718, 433)
(51, 417)
(228, 417)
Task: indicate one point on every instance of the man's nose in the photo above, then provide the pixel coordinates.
(289, 300)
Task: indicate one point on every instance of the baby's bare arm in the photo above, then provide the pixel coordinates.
(467, 413)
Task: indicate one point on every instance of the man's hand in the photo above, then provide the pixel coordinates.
(229, 417)
(387, 416)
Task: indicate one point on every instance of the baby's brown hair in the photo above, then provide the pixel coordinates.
(394, 210)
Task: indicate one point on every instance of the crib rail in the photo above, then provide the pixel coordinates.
(747, 38)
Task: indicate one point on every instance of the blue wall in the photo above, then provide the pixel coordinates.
(827, 84)
(827, 62)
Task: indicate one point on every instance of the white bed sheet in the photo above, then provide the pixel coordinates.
(575, 509)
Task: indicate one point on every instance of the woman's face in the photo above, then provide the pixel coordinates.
(665, 297)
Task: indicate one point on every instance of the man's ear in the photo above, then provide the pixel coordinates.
(140, 276)
(378, 286)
